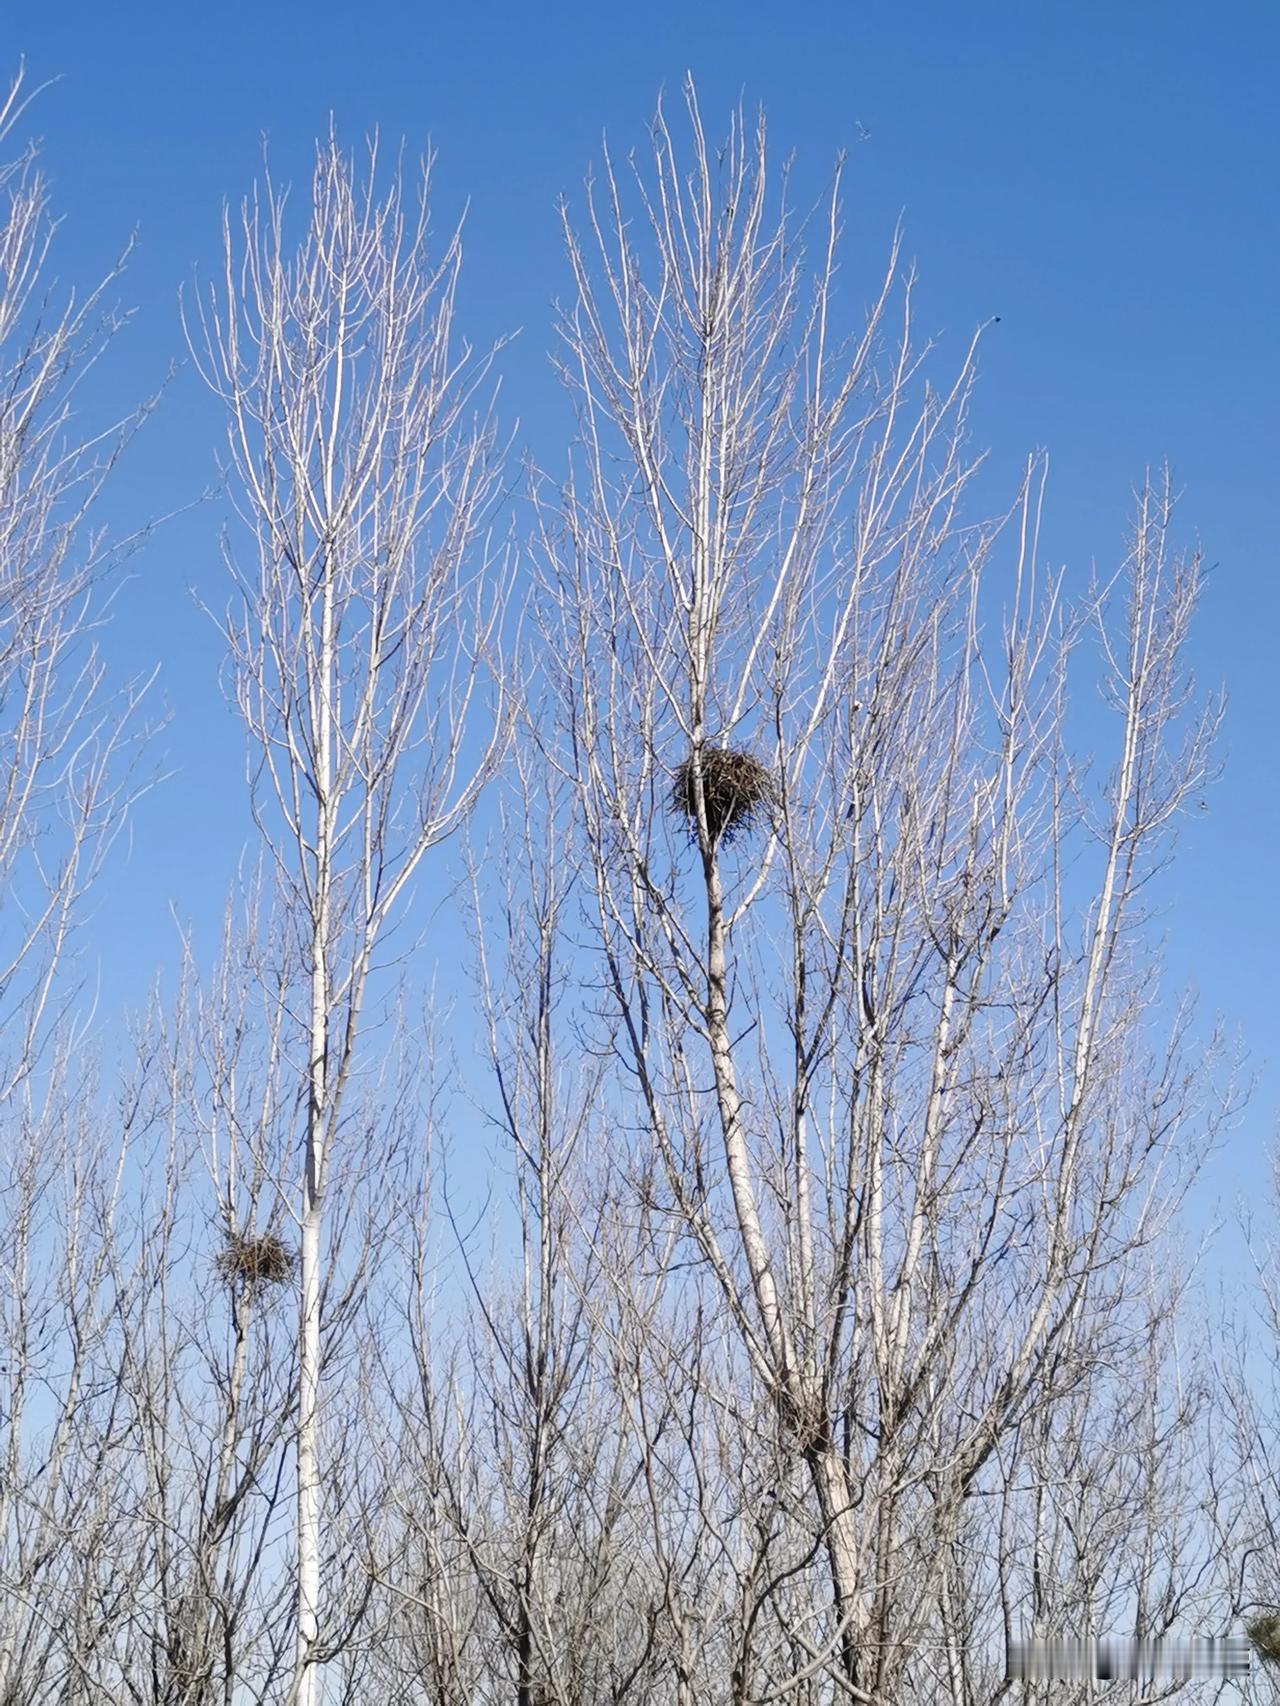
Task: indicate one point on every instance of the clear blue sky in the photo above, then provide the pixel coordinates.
(1102, 176)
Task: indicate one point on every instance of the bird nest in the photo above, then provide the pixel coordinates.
(1264, 1633)
(256, 1262)
(737, 791)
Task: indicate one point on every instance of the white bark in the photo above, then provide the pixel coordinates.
(761, 543)
(364, 648)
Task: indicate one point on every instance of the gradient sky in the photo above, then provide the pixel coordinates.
(1101, 176)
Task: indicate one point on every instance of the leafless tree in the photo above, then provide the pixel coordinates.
(138, 1498)
(361, 650)
(68, 754)
(211, 1373)
(845, 1336)
(873, 936)
(65, 1485)
(153, 1380)
(68, 746)
(1247, 1441)
(512, 1459)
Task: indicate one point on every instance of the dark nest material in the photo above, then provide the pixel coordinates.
(737, 791)
(256, 1262)
(1264, 1632)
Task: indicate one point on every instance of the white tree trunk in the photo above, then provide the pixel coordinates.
(364, 641)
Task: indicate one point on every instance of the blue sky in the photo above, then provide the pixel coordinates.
(1102, 177)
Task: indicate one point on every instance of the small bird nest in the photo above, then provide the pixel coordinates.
(1264, 1633)
(256, 1262)
(737, 791)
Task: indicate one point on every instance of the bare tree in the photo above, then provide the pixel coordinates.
(68, 749)
(67, 744)
(1247, 1444)
(1099, 1517)
(872, 935)
(511, 1455)
(845, 1337)
(213, 1375)
(360, 650)
(151, 1376)
(212, 1372)
(65, 1482)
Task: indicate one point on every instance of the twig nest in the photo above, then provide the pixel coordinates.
(737, 791)
(256, 1262)
(1264, 1633)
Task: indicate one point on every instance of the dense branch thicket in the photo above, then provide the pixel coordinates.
(824, 1324)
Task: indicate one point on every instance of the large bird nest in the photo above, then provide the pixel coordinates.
(256, 1262)
(1264, 1633)
(737, 791)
